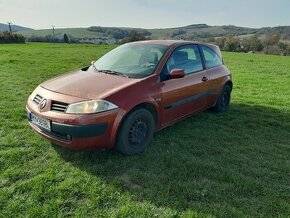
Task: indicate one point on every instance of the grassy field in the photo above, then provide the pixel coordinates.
(211, 165)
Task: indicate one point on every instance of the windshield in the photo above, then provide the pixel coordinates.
(136, 60)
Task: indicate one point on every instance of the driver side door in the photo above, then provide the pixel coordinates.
(184, 96)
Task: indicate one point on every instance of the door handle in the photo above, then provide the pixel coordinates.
(204, 79)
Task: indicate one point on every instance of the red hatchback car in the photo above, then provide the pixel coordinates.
(129, 93)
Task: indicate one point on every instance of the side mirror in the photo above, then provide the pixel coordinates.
(176, 74)
(93, 62)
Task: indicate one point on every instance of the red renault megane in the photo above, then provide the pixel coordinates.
(129, 93)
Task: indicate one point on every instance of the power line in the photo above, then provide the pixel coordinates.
(10, 29)
(53, 33)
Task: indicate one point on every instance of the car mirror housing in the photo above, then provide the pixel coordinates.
(176, 74)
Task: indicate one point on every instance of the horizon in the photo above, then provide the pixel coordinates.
(77, 27)
(146, 14)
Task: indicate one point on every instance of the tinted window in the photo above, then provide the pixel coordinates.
(211, 58)
(186, 58)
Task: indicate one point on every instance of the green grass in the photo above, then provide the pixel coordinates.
(234, 164)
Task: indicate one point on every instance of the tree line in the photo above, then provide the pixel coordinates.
(270, 44)
(119, 33)
(128, 37)
(65, 38)
(7, 37)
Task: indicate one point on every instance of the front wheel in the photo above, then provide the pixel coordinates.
(136, 132)
(224, 99)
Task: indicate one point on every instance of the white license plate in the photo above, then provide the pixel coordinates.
(39, 121)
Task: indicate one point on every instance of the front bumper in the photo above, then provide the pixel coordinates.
(98, 135)
(67, 132)
(77, 131)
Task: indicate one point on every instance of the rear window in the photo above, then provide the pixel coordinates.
(211, 58)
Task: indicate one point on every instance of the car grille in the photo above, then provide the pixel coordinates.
(58, 106)
(37, 99)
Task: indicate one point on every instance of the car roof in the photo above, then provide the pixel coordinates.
(163, 42)
(169, 42)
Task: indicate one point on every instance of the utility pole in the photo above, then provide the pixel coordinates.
(10, 29)
(53, 33)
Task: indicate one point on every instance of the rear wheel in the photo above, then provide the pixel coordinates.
(224, 99)
(136, 132)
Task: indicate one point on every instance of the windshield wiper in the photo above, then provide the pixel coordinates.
(112, 72)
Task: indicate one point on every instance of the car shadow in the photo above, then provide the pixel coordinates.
(229, 164)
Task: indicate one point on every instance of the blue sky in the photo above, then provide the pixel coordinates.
(41, 14)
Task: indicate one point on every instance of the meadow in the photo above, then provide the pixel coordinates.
(234, 164)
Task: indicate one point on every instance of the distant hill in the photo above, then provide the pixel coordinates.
(74, 32)
(196, 30)
(283, 31)
(200, 31)
(15, 28)
(191, 32)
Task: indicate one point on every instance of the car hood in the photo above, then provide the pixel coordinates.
(88, 84)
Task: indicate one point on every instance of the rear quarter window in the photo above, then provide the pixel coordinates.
(211, 58)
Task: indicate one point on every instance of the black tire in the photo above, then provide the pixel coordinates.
(224, 99)
(136, 132)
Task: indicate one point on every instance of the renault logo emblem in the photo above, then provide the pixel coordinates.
(42, 104)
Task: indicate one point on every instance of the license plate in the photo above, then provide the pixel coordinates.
(39, 121)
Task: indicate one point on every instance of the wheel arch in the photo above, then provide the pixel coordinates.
(230, 83)
(227, 82)
(147, 105)
(150, 106)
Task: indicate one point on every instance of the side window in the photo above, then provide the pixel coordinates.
(186, 58)
(211, 58)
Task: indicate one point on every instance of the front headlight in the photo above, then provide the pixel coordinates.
(90, 107)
